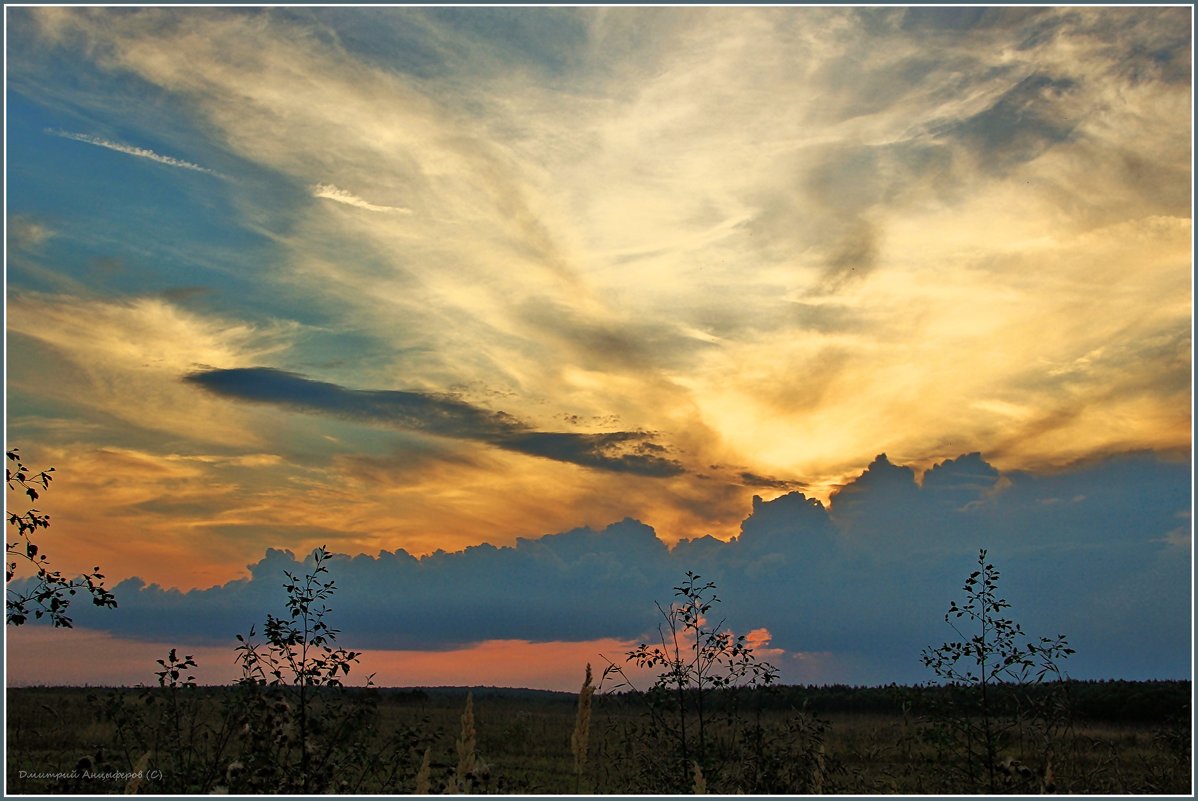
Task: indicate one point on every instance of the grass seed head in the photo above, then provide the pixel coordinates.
(467, 744)
(422, 778)
(139, 770)
(579, 741)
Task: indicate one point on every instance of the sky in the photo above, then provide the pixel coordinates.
(524, 312)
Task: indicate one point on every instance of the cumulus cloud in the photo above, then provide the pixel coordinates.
(621, 451)
(807, 573)
(133, 150)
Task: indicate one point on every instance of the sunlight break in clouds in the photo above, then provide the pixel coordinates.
(330, 192)
(131, 150)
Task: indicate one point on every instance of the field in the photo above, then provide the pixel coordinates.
(1119, 737)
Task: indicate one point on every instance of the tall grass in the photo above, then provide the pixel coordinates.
(580, 738)
(464, 776)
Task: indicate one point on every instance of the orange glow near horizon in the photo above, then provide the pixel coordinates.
(39, 656)
(42, 656)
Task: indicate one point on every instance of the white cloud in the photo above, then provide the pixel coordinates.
(132, 150)
(334, 193)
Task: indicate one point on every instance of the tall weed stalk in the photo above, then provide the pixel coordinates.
(1001, 687)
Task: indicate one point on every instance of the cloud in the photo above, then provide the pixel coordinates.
(624, 451)
(330, 192)
(27, 232)
(131, 150)
(751, 479)
(1020, 124)
(633, 452)
(121, 358)
(422, 412)
(772, 283)
(795, 571)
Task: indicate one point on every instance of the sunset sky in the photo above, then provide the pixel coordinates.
(507, 303)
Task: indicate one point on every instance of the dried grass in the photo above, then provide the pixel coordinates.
(467, 747)
(580, 739)
(422, 777)
(139, 772)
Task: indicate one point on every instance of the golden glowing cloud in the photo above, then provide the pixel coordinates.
(776, 241)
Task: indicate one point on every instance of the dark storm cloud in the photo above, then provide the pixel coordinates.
(1099, 552)
(634, 452)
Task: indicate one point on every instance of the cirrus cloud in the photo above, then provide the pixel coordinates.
(133, 150)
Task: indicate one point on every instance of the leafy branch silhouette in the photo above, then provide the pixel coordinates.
(51, 592)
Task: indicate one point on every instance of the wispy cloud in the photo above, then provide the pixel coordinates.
(339, 195)
(133, 150)
(122, 358)
(25, 231)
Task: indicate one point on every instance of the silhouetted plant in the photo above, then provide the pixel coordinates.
(988, 671)
(288, 726)
(294, 740)
(52, 592)
(696, 659)
(171, 733)
(785, 760)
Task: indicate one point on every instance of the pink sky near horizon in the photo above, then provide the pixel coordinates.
(42, 656)
(49, 657)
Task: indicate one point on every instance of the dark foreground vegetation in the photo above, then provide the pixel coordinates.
(1123, 737)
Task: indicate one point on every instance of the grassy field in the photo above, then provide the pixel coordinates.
(1120, 737)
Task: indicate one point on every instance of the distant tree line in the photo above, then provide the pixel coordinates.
(1110, 700)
